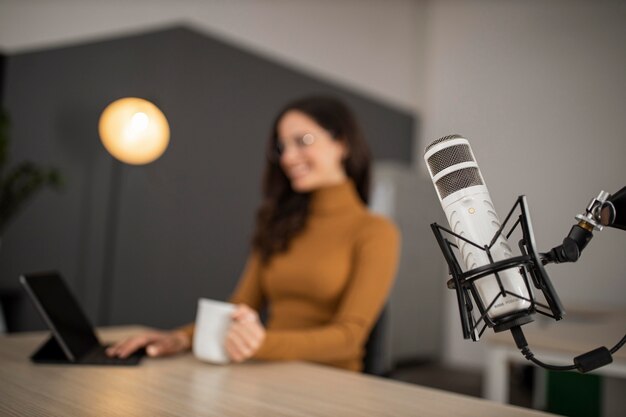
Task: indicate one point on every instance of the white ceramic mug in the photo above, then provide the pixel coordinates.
(212, 322)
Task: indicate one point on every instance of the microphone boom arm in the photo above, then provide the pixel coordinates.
(580, 234)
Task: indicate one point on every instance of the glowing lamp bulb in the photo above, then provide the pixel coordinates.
(134, 130)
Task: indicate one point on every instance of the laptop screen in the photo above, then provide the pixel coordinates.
(61, 312)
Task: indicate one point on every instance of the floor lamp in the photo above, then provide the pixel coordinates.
(134, 131)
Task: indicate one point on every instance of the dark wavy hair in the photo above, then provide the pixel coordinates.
(283, 211)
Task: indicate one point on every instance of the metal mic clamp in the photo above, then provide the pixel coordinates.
(591, 217)
(580, 234)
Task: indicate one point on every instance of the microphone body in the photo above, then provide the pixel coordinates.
(471, 214)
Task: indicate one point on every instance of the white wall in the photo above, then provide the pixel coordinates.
(538, 87)
(373, 46)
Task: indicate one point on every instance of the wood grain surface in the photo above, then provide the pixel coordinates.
(184, 386)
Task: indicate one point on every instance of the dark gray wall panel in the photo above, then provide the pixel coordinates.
(153, 239)
(2, 64)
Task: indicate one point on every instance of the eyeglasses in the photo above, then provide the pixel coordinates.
(300, 143)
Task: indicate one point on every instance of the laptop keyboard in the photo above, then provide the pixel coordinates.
(97, 356)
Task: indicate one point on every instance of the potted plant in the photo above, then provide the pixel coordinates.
(21, 182)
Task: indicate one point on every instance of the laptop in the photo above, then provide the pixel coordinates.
(73, 340)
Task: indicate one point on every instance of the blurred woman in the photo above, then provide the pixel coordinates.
(321, 263)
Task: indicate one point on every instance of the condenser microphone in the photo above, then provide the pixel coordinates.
(471, 214)
(498, 281)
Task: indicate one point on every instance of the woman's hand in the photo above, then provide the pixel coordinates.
(245, 335)
(157, 343)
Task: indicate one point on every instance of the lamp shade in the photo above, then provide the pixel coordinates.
(134, 130)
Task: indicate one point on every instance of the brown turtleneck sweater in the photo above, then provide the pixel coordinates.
(326, 291)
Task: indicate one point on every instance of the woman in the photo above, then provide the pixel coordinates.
(321, 263)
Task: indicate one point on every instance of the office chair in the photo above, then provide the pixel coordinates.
(3, 326)
(374, 361)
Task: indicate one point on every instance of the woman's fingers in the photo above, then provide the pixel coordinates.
(245, 334)
(168, 344)
(156, 344)
(236, 348)
(243, 312)
(250, 332)
(127, 346)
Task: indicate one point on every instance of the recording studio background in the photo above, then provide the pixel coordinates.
(537, 88)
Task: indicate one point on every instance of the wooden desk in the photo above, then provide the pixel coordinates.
(555, 343)
(184, 386)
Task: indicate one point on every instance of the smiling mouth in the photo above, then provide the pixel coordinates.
(298, 171)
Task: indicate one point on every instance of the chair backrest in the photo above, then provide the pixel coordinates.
(374, 361)
(3, 326)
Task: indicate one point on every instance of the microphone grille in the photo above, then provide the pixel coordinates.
(449, 156)
(443, 139)
(458, 180)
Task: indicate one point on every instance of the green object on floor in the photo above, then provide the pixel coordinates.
(573, 394)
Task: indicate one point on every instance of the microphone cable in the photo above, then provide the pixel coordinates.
(586, 362)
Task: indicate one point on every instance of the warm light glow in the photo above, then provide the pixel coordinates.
(134, 130)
